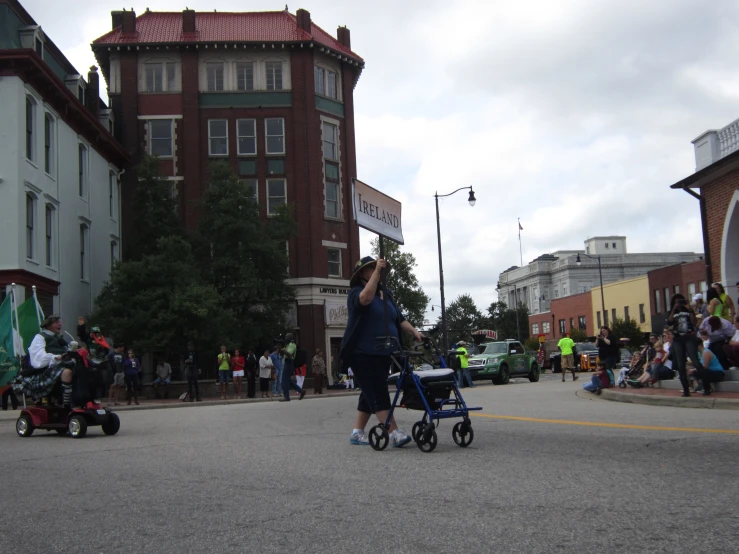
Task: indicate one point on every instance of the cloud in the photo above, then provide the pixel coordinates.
(573, 115)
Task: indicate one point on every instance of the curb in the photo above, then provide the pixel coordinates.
(216, 402)
(675, 402)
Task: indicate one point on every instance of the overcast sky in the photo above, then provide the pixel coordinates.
(573, 115)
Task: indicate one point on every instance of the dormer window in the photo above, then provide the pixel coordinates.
(76, 84)
(32, 37)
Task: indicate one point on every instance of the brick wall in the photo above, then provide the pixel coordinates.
(718, 194)
(569, 307)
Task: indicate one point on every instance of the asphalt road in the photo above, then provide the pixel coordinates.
(543, 475)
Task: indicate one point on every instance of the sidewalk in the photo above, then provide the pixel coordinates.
(666, 397)
(12, 415)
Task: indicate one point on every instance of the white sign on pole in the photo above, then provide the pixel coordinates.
(377, 212)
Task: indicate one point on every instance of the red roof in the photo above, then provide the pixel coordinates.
(166, 28)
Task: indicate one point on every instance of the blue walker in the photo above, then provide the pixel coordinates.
(435, 392)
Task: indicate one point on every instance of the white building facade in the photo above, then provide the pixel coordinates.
(59, 178)
(558, 275)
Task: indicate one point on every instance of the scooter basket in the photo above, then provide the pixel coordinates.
(434, 397)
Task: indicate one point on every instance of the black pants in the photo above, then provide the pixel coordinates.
(251, 383)
(684, 347)
(370, 374)
(192, 382)
(9, 394)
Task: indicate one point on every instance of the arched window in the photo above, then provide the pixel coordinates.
(49, 233)
(30, 226)
(30, 127)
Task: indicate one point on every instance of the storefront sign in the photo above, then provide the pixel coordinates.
(377, 212)
(333, 290)
(337, 314)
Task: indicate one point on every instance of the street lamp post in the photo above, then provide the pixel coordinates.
(472, 201)
(600, 275)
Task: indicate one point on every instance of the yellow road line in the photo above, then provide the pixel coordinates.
(612, 425)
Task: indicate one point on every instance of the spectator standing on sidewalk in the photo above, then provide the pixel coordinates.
(318, 367)
(131, 369)
(266, 367)
(289, 352)
(251, 374)
(277, 362)
(565, 345)
(116, 365)
(238, 363)
(163, 377)
(609, 347)
(192, 370)
(224, 366)
(685, 339)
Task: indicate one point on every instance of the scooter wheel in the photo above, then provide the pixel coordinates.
(379, 437)
(622, 385)
(427, 440)
(77, 427)
(111, 426)
(417, 430)
(463, 434)
(24, 427)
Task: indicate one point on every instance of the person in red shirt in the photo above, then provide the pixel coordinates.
(237, 364)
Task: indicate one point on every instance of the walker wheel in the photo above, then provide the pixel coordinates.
(463, 434)
(379, 437)
(427, 440)
(622, 385)
(417, 430)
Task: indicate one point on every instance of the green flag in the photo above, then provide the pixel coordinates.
(28, 323)
(8, 362)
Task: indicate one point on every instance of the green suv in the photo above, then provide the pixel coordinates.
(502, 360)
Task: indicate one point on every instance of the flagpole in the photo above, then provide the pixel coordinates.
(17, 338)
(520, 248)
(39, 312)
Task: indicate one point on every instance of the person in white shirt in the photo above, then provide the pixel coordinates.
(45, 354)
(266, 367)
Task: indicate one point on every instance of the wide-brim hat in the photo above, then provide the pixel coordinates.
(50, 320)
(462, 343)
(360, 265)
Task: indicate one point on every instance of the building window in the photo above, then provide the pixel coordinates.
(564, 289)
(246, 134)
(667, 299)
(582, 323)
(275, 166)
(600, 324)
(545, 327)
(274, 75)
(704, 288)
(626, 313)
(613, 315)
(562, 327)
(556, 293)
(676, 289)
(30, 225)
(691, 290)
(112, 194)
(160, 138)
(332, 200)
(334, 262)
(214, 74)
(606, 246)
(534, 328)
(657, 302)
(49, 244)
(113, 253)
(218, 137)
(251, 186)
(39, 47)
(275, 134)
(330, 141)
(245, 76)
(642, 315)
(83, 251)
(326, 82)
(49, 144)
(276, 195)
(572, 323)
(160, 77)
(331, 170)
(30, 122)
(82, 170)
(248, 167)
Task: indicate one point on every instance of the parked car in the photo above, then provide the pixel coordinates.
(501, 360)
(586, 357)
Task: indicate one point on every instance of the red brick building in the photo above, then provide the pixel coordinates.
(571, 312)
(687, 279)
(715, 184)
(271, 93)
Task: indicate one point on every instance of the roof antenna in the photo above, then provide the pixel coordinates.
(286, 7)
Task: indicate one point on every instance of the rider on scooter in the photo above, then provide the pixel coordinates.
(45, 352)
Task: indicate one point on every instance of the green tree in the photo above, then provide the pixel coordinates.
(502, 319)
(244, 258)
(462, 318)
(578, 336)
(402, 281)
(628, 329)
(154, 210)
(159, 301)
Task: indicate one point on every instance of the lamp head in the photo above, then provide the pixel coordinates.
(472, 198)
(578, 261)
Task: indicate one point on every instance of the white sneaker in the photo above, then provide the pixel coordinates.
(358, 438)
(398, 438)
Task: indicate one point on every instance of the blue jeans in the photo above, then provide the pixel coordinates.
(593, 385)
(287, 384)
(462, 374)
(278, 380)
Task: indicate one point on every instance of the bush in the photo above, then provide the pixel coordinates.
(531, 343)
(628, 329)
(578, 336)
